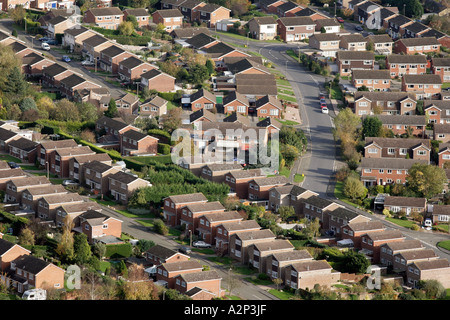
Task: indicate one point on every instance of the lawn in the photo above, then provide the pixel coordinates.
(171, 105)
(244, 38)
(244, 270)
(445, 85)
(442, 227)
(402, 223)
(286, 91)
(298, 244)
(336, 93)
(149, 223)
(287, 98)
(285, 172)
(444, 244)
(104, 265)
(338, 193)
(282, 295)
(287, 122)
(223, 261)
(148, 160)
(299, 178)
(259, 282)
(283, 82)
(7, 157)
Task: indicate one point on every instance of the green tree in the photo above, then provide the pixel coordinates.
(16, 83)
(346, 125)
(171, 120)
(26, 237)
(199, 74)
(354, 189)
(363, 88)
(286, 212)
(133, 20)
(289, 154)
(126, 28)
(17, 14)
(65, 110)
(355, 262)
(210, 66)
(311, 229)
(371, 127)
(28, 104)
(433, 289)
(65, 248)
(160, 227)
(87, 111)
(112, 111)
(82, 249)
(425, 179)
(99, 249)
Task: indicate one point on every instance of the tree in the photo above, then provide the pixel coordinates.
(8, 61)
(312, 228)
(112, 111)
(138, 286)
(126, 28)
(289, 154)
(171, 120)
(26, 237)
(210, 66)
(363, 88)
(99, 249)
(371, 127)
(160, 227)
(143, 245)
(65, 110)
(65, 248)
(354, 189)
(13, 112)
(82, 250)
(346, 125)
(17, 14)
(199, 74)
(238, 7)
(87, 111)
(425, 179)
(286, 212)
(133, 20)
(27, 104)
(88, 135)
(16, 83)
(433, 289)
(355, 262)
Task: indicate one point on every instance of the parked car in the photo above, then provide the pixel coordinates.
(87, 63)
(359, 28)
(323, 105)
(35, 294)
(325, 110)
(201, 244)
(13, 165)
(44, 39)
(340, 20)
(322, 100)
(185, 250)
(69, 183)
(66, 59)
(52, 42)
(45, 46)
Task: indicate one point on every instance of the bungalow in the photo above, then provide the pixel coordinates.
(187, 33)
(157, 80)
(256, 86)
(405, 204)
(440, 214)
(122, 185)
(202, 40)
(219, 51)
(311, 13)
(246, 65)
(202, 99)
(384, 103)
(420, 45)
(374, 80)
(235, 102)
(400, 65)
(270, 6)
(424, 85)
(295, 28)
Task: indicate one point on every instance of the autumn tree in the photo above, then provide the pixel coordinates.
(65, 248)
(237, 7)
(138, 286)
(286, 212)
(126, 28)
(26, 237)
(312, 228)
(17, 14)
(171, 120)
(65, 110)
(354, 189)
(426, 180)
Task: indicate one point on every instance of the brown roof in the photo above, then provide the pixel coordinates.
(406, 58)
(371, 74)
(46, 190)
(74, 151)
(62, 198)
(269, 181)
(49, 145)
(241, 225)
(187, 198)
(325, 37)
(441, 209)
(201, 276)
(432, 264)
(217, 167)
(182, 265)
(366, 226)
(422, 78)
(297, 21)
(205, 207)
(12, 173)
(255, 235)
(403, 119)
(272, 245)
(223, 216)
(311, 265)
(245, 174)
(355, 55)
(354, 37)
(385, 235)
(389, 163)
(169, 13)
(292, 255)
(405, 202)
(380, 38)
(397, 142)
(423, 41)
(384, 95)
(111, 11)
(31, 181)
(442, 127)
(404, 245)
(418, 254)
(81, 207)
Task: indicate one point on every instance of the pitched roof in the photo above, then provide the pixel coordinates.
(241, 225)
(6, 134)
(312, 265)
(238, 117)
(385, 235)
(270, 181)
(186, 33)
(95, 40)
(327, 22)
(366, 226)
(200, 40)
(380, 38)
(131, 62)
(222, 216)
(218, 50)
(136, 135)
(422, 78)
(203, 93)
(109, 11)
(76, 30)
(416, 27)
(287, 6)
(384, 95)
(57, 20)
(263, 20)
(62, 198)
(255, 235)
(389, 163)
(405, 202)
(78, 150)
(217, 167)
(116, 124)
(399, 20)
(161, 252)
(397, 142)
(154, 73)
(72, 81)
(441, 127)
(190, 4)
(354, 37)
(319, 201)
(441, 62)
(50, 144)
(402, 119)
(406, 58)
(404, 245)
(31, 181)
(97, 166)
(5, 246)
(182, 265)
(23, 144)
(18, 172)
(273, 245)
(371, 74)
(200, 276)
(113, 51)
(211, 7)
(418, 254)
(169, 13)
(292, 255)
(46, 190)
(269, 121)
(232, 96)
(355, 55)
(422, 41)
(187, 198)
(54, 69)
(432, 264)
(202, 113)
(245, 64)
(344, 214)
(30, 264)
(137, 12)
(296, 21)
(325, 37)
(123, 177)
(256, 84)
(245, 174)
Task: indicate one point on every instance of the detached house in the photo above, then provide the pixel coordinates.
(106, 18)
(99, 227)
(210, 14)
(405, 204)
(157, 80)
(295, 28)
(170, 18)
(327, 43)
(122, 185)
(154, 107)
(235, 102)
(263, 28)
(141, 14)
(135, 143)
(202, 99)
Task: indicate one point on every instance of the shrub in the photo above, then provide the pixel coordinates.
(118, 250)
(263, 276)
(160, 227)
(415, 227)
(163, 148)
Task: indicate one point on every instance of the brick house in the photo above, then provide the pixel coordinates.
(315, 207)
(6, 137)
(216, 172)
(127, 103)
(268, 106)
(53, 74)
(355, 230)
(24, 149)
(76, 164)
(327, 43)
(441, 37)
(405, 204)
(59, 159)
(30, 196)
(167, 272)
(420, 45)
(400, 65)
(173, 205)
(443, 155)
(141, 14)
(132, 68)
(399, 124)
(258, 252)
(403, 259)
(388, 250)
(235, 102)
(245, 65)
(340, 217)
(263, 28)
(289, 195)
(45, 148)
(187, 33)
(157, 80)
(170, 18)
(73, 37)
(202, 40)
(371, 242)
(111, 57)
(74, 82)
(210, 281)
(20, 49)
(412, 148)
(210, 14)
(14, 188)
(441, 132)
(381, 43)
(33, 64)
(226, 230)
(112, 128)
(348, 61)
(202, 99)
(188, 8)
(306, 274)
(207, 227)
(219, 51)
(440, 214)
(295, 28)
(441, 66)
(413, 30)
(258, 189)
(424, 85)
(394, 23)
(384, 103)
(191, 213)
(96, 176)
(97, 226)
(135, 143)
(93, 46)
(270, 6)
(13, 174)
(153, 107)
(436, 269)
(47, 204)
(241, 241)
(122, 186)
(158, 255)
(73, 211)
(57, 26)
(106, 18)
(381, 171)
(238, 181)
(309, 12)
(276, 263)
(374, 80)
(329, 25)
(288, 9)
(9, 252)
(353, 42)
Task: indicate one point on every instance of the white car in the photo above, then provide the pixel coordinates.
(325, 110)
(87, 63)
(201, 244)
(45, 46)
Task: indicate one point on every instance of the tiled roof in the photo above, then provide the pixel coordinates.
(24, 144)
(422, 41)
(422, 78)
(137, 12)
(200, 276)
(292, 255)
(355, 55)
(405, 202)
(389, 163)
(296, 21)
(418, 254)
(402, 119)
(385, 235)
(46, 190)
(186, 198)
(169, 13)
(182, 266)
(161, 252)
(49, 144)
(241, 225)
(432, 264)
(371, 74)
(255, 235)
(110, 11)
(273, 245)
(269, 181)
(312, 265)
(366, 226)
(404, 58)
(30, 264)
(404, 245)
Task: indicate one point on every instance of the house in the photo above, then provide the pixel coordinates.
(73, 37)
(33, 64)
(201, 40)
(441, 132)
(207, 227)
(106, 18)
(440, 214)
(381, 43)
(235, 102)
(405, 204)
(203, 114)
(209, 281)
(306, 274)
(158, 255)
(14, 188)
(99, 97)
(6, 137)
(327, 43)
(24, 149)
(93, 46)
(127, 103)
(354, 230)
(413, 30)
(436, 269)
(399, 124)
(112, 127)
(122, 185)
(45, 148)
(443, 155)
(224, 232)
(238, 181)
(384, 103)
(219, 51)
(394, 23)
(132, 68)
(30, 196)
(12, 174)
(245, 65)
(259, 251)
(9, 252)
(20, 49)
(28, 272)
(400, 65)
(382, 171)
(153, 107)
(187, 33)
(315, 207)
(441, 37)
(59, 160)
(348, 61)
(372, 241)
(210, 14)
(437, 111)
(76, 164)
(422, 45)
(258, 189)
(216, 172)
(167, 272)
(53, 74)
(57, 26)
(288, 9)
(441, 66)
(111, 57)
(72, 211)
(189, 7)
(340, 217)
(289, 195)
(96, 176)
(157, 80)
(390, 249)
(412, 148)
(295, 28)
(237, 117)
(255, 86)
(374, 80)
(99, 227)
(277, 262)
(403, 259)
(74, 82)
(263, 28)
(270, 6)
(170, 18)
(191, 213)
(329, 25)
(134, 143)
(424, 85)
(202, 99)
(47, 204)
(309, 12)
(141, 15)
(241, 241)
(353, 42)
(173, 205)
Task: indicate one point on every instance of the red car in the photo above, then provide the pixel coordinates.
(340, 20)
(323, 105)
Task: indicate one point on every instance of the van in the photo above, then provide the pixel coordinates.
(35, 294)
(45, 46)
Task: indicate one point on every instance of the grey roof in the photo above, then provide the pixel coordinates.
(169, 13)
(182, 265)
(307, 12)
(399, 20)
(256, 84)
(384, 95)
(245, 64)
(404, 245)
(188, 198)
(434, 33)
(389, 163)
(137, 12)
(422, 78)
(201, 39)
(246, 174)
(237, 117)
(56, 20)
(5, 246)
(210, 7)
(371, 74)
(380, 38)
(416, 27)
(441, 62)
(327, 22)
(442, 127)
(397, 142)
(264, 20)
(287, 6)
(270, 181)
(232, 96)
(422, 41)
(62, 198)
(80, 207)
(273, 245)
(23, 144)
(18, 172)
(222, 216)
(311, 265)
(366, 226)
(385, 13)
(113, 51)
(203, 93)
(354, 37)
(441, 209)
(136, 135)
(30, 264)
(72, 81)
(161, 252)
(405, 202)
(200, 276)
(31, 181)
(241, 225)
(205, 207)
(52, 189)
(200, 114)
(344, 214)
(54, 69)
(152, 74)
(112, 123)
(190, 4)
(218, 50)
(255, 235)
(296, 21)
(385, 235)
(76, 30)
(406, 58)
(50, 144)
(403, 119)
(131, 62)
(123, 177)
(368, 4)
(355, 55)
(97, 166)
(109, 11)
(95, 40)
(186, 33)
(217, 167)
(325, 37)
(6, 134)
(268, 122)
(319, 202)
(292, 255)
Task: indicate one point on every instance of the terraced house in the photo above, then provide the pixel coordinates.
(419, 149)
(173, 205)
(425, 86)
(420, 45)
(399, 64)
(374, 80)
(295, 28)
(348, 61)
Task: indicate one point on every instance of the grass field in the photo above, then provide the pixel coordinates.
(298, 178)
(444, 244)
(7, 157)
(287, 98)
(402, 223)
(282, 295)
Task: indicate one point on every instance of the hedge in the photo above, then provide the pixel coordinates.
(163, 148)
(118, 250)
(162, 135)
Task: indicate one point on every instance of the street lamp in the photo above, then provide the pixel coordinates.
(190, 238)
(48, 169)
